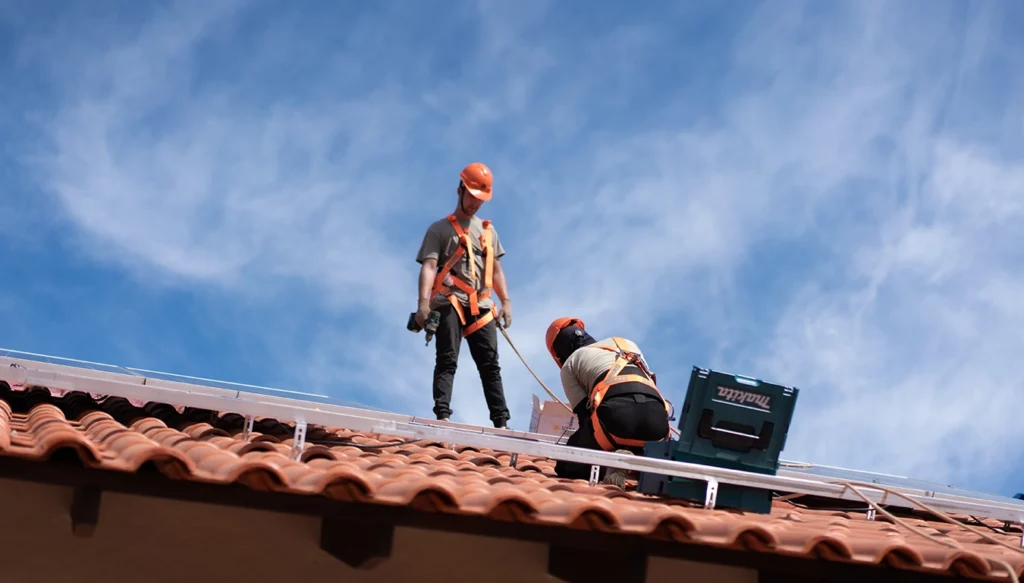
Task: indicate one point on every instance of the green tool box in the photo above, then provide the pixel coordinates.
(727, 421)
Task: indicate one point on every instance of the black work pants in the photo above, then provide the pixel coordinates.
(629, 416)
(483, 346)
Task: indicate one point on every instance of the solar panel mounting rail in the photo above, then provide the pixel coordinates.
(133, 385)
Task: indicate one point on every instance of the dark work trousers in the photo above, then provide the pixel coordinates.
(483, 346)
(627, 415)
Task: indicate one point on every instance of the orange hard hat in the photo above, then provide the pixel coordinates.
(556, 327)
(478, 180)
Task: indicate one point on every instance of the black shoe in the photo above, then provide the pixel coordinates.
(500, 425)
(442, 418)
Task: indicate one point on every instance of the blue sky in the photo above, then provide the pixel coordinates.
(818, 194)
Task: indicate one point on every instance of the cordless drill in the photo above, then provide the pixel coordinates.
(433, 319)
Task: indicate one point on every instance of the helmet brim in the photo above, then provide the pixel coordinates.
(484, 195)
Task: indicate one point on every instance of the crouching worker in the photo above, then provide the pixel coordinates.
(612, 392)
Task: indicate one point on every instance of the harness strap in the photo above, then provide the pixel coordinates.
(624, 357)
(481, 322)
(465, 249)
(487, 242)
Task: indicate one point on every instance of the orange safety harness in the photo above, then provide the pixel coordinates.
(466, 247)
(605, 439)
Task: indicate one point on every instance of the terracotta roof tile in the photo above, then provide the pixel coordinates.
(182, 443)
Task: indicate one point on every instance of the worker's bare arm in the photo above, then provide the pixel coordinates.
(500, 284)
(427, 272)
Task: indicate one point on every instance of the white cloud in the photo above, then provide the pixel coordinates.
(827, 132)
(918, 350)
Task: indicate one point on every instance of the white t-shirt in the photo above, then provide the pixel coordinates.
(583, 367)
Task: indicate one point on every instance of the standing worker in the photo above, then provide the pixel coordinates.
(469, 252)
(611, 390)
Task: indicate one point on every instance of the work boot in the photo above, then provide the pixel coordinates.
(500, 424)
(617, 476)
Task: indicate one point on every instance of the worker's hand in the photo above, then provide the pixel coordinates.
(506, 313)
(422, 312)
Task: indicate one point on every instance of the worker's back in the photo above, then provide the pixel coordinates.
(582, 369)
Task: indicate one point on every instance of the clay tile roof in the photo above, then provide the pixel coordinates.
(118, 435)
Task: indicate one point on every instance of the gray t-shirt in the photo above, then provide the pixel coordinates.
(585, 365)
(441, 241)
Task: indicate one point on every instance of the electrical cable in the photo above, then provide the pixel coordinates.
(990, 527)
(789, 498)
(1012, 575)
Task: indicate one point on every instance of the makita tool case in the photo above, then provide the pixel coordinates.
(728, 421)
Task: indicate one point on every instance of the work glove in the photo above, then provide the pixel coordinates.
(422, 312)
(506, 313)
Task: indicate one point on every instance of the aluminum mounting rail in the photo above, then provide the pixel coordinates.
(64, 372)
(29, 373)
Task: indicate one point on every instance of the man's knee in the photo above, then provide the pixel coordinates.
(489, 368)
(446, 359)
(484, 348)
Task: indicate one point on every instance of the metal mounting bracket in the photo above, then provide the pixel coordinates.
(299, 442)
(249, 422)
(871, 514)
(595, 471)
(513, 460)
(712, 494)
